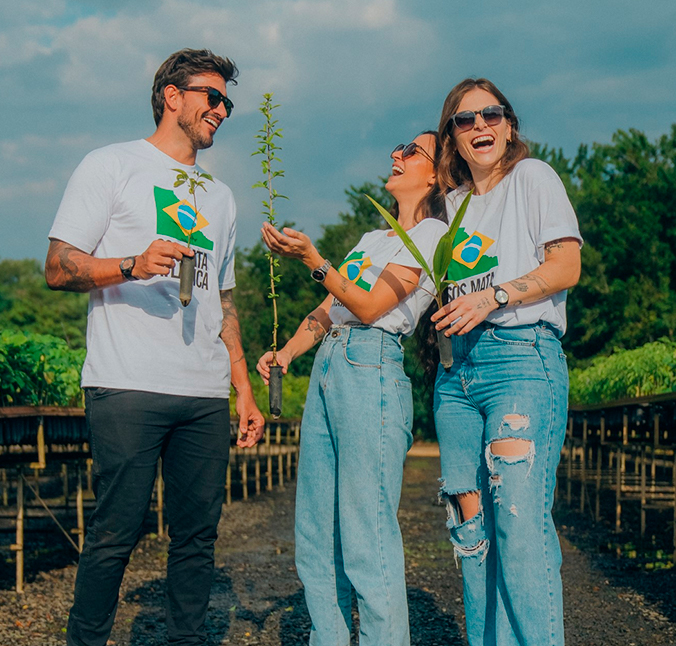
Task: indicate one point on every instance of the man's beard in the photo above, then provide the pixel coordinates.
(199, 140)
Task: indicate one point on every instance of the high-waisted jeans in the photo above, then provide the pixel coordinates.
(506, 383)
(355, 434)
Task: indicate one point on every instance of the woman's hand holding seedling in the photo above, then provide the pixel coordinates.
(292, 244)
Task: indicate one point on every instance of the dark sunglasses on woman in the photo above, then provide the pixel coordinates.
(214, 97)
(465, 120)
(409, 150)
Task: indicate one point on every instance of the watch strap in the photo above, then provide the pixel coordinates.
(127, 266)
(319, 273)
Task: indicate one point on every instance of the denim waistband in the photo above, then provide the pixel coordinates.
(485, 325)
(345, 334)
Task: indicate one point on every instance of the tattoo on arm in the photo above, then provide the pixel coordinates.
(314, 326)
(230, 330)
(523, 284)
(343, 284)
(554, 244)
(483, 304)
(67, 271)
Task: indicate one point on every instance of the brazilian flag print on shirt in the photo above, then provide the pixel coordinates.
(175, 218)
(353, 268)
(470, 255)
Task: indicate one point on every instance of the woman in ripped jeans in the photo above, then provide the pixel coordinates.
(501, 409)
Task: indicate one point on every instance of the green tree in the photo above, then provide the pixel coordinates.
(27, 304)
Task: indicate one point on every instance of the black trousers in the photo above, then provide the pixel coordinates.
(129, 432)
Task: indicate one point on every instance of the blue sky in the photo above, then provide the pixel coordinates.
(354, 77)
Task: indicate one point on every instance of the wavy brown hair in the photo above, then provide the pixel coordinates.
(453, 170)
(181, 66)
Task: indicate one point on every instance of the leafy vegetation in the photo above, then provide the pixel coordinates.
(39, 369)
(648, 370)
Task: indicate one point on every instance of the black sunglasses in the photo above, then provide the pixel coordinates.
(214, 97)
(409, 150)
(465, 120)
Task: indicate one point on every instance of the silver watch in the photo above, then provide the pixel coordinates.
(501, 296)
(319, 274)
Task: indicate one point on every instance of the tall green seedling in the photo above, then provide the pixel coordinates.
(438, 273)
(195, 180)
(267, 138)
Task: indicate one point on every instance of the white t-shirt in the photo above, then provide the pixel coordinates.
(367, 260)
(139, 336)
(503, 234)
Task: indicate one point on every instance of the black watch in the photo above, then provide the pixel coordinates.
(127, 266)
(501, 297)
(319, 274)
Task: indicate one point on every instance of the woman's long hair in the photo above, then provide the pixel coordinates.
(453, 170)
(433, 204)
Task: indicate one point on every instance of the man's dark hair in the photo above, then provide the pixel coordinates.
(181, 66)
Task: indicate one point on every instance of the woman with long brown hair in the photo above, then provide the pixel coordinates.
(500, 410)
(358, 414)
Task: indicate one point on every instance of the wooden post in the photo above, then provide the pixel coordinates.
(79, 505)
(583, 464)
(257, 472)
(603, 429)
(268, 451)
(42, 456)
(160, 500)
(18, 546)
(245, 478)
(228, 485)
(66, 489)
(625, 428)
(597, 506)
(643, 492)
(569, 472)
(89, 462)
(619, 468)
(5, 488)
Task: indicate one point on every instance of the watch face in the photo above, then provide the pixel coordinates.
(318, 274)
(501, 297)
(127, 264)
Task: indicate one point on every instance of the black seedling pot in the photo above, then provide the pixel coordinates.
(186, 275)
(275, 391)
(445, 349)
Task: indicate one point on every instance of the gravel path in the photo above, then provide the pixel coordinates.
(257, 600)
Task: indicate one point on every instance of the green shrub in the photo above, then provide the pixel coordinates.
(648, 370)
(39, 369)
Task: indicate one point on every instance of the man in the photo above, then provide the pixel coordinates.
(157, 374)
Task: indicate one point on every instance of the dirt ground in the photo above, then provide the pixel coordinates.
(257, 598)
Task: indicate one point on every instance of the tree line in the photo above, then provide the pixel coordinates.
(623, 192)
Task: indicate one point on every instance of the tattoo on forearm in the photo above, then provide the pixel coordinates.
(230, 331)
(523, 284)
(66, 272)
(314, 326)
(343, 284)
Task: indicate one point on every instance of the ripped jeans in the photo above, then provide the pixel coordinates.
(506, 384)
(355, 433)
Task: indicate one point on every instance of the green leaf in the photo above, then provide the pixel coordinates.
(405, 238)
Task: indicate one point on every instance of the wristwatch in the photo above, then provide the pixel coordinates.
(501, 297)
(126, 267)
(319, 274)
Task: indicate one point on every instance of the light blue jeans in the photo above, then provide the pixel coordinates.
(505, 383)
(355, 434)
